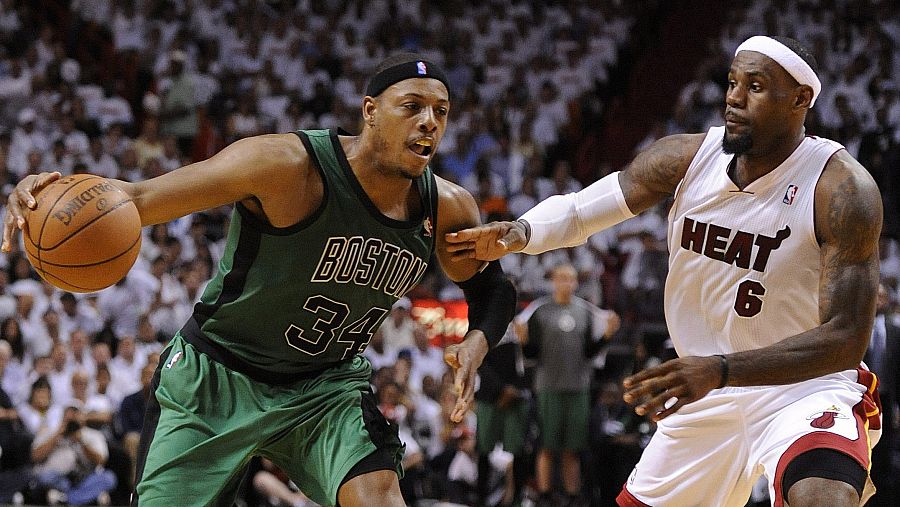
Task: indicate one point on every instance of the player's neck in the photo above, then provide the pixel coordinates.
(749, 167)
(389, 191)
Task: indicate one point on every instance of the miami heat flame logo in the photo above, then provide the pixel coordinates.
(825, 419)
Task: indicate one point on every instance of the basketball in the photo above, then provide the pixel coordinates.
(84, 235)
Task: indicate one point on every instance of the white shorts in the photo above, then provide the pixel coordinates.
(712, 451)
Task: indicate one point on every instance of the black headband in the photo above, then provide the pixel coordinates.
(401, 71)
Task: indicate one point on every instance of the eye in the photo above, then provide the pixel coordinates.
(732, 83)
(412, 106)
(755, 86)
(442, 111)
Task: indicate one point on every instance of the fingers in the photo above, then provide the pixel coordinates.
(463, 382)
(15, 218)
(643, 375)
(659, 402)
(451, 357)
(9, 229)
(465, 388)
(509, 239)
(671, 406)
(471, 234)
(643, 389)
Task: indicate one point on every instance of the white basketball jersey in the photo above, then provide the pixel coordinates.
(744, 264)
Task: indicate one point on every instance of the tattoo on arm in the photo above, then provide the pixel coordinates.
(849, 229)
(655, 173)
(848, 219)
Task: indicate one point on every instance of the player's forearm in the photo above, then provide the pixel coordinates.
(568, 220)
(820, 351)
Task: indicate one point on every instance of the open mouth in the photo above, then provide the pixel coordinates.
(422, 147)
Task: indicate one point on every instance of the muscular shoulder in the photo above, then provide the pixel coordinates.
(456, 206)
(282, 169)
(848, 208)
(277, 152)
(457, 210)
(656, 171)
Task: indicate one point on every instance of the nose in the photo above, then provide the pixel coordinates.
(735, 96)
(427, 120)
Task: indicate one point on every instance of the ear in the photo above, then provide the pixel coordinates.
(368, 110)
(803, 97)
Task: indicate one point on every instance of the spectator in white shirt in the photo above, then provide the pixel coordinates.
(115, 142)
(74, 314)
(125, 369)
(76, 141)
(399, 327)
(37, 342)
(147, 340)
(427, 360)
(80, 358)
(98, 162)
(16, 83)
(171, 157)
(60, 376)
(551, 116)
(128, 27)
(169, 295)
(377, 354)
(126, 301)
(113, 108)
(25, 138)
(41, 411)
(58, 159)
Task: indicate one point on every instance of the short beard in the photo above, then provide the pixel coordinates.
(738, 145)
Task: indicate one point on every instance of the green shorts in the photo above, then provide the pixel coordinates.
(508, 426)
(564, 419)
(205, 422)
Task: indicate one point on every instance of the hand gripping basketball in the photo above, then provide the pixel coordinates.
(81, 233)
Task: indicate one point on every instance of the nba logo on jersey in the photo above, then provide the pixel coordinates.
(789, 195)
(426, 226)
(421, 67)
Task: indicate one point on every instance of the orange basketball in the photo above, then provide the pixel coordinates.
(84, 235)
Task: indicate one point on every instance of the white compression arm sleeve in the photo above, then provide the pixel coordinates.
(568, 220)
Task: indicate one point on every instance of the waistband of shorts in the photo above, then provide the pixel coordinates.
(192, 334)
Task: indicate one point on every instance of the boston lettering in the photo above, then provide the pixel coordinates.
(369, 262)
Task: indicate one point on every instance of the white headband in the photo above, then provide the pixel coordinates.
(787, 58)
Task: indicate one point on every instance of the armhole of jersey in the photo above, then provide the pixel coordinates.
(270, 229)
(812, 205)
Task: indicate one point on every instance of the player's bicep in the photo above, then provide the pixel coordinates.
(656, 171)
(240, 171)
(848, 225)
(457, 210)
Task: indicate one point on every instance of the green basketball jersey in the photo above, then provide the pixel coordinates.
(296, 299)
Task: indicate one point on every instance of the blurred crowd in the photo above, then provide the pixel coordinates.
(133, 89)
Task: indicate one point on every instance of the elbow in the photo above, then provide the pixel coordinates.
(853, 344)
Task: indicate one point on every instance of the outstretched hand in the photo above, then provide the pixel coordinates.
(465, 358)
(486, 242)
(684, 380)
(22, 198)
